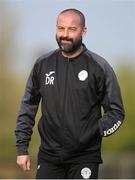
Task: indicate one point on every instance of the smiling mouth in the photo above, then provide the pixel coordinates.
(65, 42)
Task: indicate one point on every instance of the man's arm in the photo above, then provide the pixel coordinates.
(26, 119)
(112, 103)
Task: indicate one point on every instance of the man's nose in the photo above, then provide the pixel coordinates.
(65, 33)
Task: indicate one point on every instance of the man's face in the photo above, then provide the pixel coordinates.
(69, 32)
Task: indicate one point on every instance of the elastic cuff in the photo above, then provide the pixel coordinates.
(22, 150)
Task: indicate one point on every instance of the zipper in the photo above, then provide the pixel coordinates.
(64, 102)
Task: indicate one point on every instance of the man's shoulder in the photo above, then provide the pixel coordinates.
(46, 56)
(99, 60)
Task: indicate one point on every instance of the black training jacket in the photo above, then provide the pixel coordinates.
(72, 93)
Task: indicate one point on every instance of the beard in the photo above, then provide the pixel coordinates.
(70, 46)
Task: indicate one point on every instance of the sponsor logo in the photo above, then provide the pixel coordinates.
(113, 129)
(86, 173)
(83, 75)
(38, 167)
(49, 79)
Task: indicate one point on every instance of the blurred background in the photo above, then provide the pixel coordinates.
(27, 30)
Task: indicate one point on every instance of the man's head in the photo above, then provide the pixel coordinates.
(70, 29)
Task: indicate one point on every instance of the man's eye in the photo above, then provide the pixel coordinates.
(72, 29)
(60, 28)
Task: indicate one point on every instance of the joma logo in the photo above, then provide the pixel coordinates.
(113, 129)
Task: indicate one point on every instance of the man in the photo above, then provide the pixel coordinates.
(73, 83)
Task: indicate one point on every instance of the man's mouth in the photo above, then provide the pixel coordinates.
(65, 41)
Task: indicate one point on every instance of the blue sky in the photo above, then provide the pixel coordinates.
(110, 23)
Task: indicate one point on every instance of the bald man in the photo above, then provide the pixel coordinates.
(73, 84)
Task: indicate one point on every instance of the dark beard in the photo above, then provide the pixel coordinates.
(71, 47)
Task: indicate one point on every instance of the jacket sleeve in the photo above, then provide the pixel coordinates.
(27, 113)
(111, 102)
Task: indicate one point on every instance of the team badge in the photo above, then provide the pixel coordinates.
(83, 75)
(86, 173)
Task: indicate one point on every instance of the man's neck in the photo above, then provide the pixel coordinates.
(73, 54)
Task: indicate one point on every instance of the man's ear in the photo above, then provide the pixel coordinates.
(84, 31)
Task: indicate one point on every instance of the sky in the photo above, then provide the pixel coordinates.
(110, 24)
